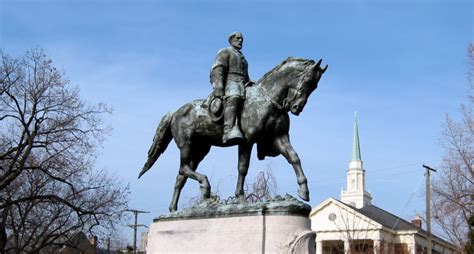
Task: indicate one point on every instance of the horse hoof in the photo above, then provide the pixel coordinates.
(206, 192)
(304, 195)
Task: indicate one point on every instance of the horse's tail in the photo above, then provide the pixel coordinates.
(161, 140)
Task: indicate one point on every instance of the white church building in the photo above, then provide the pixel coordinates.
(354, 225)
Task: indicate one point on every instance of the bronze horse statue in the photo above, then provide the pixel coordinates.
(264, 120)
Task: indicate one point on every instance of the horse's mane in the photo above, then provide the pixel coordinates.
(304, 62)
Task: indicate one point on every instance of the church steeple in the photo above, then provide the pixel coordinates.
(355, 193)
(355, 143)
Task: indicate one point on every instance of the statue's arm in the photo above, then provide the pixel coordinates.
(248, 78)
(219, 71)
(248, 81)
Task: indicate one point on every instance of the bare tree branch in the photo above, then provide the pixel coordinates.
(49, 189)
(453, 191)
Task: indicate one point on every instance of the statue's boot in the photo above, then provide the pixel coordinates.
(232, 133)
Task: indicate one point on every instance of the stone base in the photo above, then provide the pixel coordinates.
(270, 227)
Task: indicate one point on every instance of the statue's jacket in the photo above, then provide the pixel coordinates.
(230, 70)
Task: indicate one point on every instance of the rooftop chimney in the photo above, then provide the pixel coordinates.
(417, 221)
(93, 241)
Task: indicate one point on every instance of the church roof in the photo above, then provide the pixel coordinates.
(355, 144)
(394, 222)
(385, 218)
(374, 213)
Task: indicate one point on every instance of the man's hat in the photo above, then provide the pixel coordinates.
(216, 109)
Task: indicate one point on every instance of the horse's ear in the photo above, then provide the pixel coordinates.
(318, 64)
(324, 69)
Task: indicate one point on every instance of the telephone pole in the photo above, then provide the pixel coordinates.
(135, 226)
(428, 206)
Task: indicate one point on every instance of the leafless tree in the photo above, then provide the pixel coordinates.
(358, 232)
(263, 188)
(49, 188)
(453, 191)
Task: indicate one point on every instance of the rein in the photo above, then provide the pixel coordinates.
(287, 100)
(270, 99)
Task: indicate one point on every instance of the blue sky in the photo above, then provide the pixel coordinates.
(401, 65)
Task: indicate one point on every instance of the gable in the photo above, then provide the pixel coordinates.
(333, 215)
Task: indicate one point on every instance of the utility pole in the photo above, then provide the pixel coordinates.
(428, 206)
(135, 226)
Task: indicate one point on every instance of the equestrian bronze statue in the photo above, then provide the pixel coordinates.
(229, 77)
(264, 121)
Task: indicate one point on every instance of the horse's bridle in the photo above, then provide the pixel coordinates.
(289, 99)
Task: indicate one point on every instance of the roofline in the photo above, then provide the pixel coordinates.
(400, 218)
(423, 234)
(329, 200)
(415, 231)
(320, 206)
(419, 231)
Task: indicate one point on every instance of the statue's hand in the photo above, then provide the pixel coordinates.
(218, 92)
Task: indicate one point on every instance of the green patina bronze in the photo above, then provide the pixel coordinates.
(214, 208)
(253, 114)
(355, 144)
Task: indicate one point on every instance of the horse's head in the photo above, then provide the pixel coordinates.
(290, 83)
(301, 87)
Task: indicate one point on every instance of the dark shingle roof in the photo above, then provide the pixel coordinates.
(386, 219)
(392, 221)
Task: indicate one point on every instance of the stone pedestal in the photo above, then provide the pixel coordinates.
(279, 226)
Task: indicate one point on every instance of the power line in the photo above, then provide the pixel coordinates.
(407, 165)
(380, 173)
(408, 202)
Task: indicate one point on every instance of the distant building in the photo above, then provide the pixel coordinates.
(143, 241)
(79, 244)
(354, 225)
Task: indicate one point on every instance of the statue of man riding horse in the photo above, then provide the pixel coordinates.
(229, 77)
(263, 114)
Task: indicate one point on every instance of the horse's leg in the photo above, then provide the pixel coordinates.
(282, 143)
(187, 169)
(180, 181)
(245, 151)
